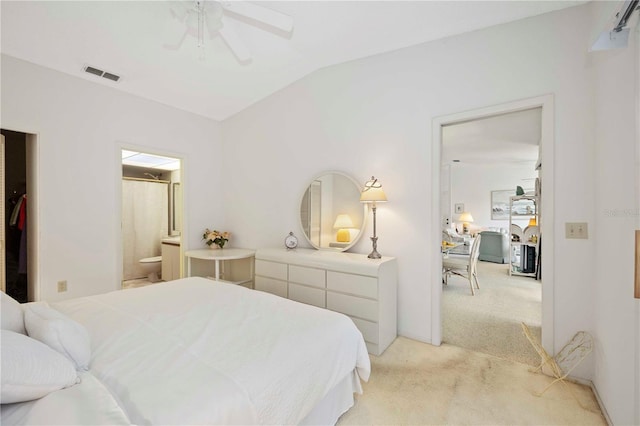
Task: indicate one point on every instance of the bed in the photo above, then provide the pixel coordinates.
(196, 351)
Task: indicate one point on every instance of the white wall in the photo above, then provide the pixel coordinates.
(373, 116)
(80, 127)
(472, 185)
(617, 139)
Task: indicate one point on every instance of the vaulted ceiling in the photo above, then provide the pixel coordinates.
(133, 39)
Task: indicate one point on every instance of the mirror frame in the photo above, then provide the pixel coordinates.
(364, 212)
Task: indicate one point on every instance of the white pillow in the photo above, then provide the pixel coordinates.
(31, 369)
(12, 315)
(58, 331)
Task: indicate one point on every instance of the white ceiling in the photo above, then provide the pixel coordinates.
(512, 138)
(128, 37)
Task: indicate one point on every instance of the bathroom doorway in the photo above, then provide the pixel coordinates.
(151, 218)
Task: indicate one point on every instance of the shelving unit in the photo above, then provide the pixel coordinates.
(524, 252)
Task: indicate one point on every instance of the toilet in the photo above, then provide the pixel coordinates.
(151, 266)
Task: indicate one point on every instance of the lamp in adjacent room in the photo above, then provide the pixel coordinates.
(342, 224)
(533, 222)
(372, 193)
(466, 219)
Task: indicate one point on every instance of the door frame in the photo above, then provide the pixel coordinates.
(546, 102)
(637, 301)
(3, 245)
(118, 202)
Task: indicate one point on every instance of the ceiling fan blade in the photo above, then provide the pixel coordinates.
(213, 19)
(178, 10)
(240, 51)
(178, 44)
(261, 14)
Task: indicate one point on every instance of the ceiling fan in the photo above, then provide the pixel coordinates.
(209, 16)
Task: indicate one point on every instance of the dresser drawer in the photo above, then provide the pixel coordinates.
(271, 269)
(309, 276)
(353, 306)
(354, 284)
(269, 285)
(308, 295)
(369, 329)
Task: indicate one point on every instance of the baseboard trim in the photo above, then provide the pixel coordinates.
(590, 384)
(600, 403)
(418, 338)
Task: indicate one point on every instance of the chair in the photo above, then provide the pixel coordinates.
(451, 236)
(461, 265)
(565, 361)
(494, 247)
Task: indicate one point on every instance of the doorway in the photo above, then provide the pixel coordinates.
(18, 244)
(546, 207)
(151, 195)
(483, 161)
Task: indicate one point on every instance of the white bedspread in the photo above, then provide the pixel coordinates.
(194, 351)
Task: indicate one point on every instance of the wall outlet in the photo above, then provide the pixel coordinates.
(576, 230)
(62, 286)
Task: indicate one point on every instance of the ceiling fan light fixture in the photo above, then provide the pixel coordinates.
(208, 15)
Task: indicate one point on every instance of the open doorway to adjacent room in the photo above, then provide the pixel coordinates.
(483, 158)
(484, 162)
(152, 211)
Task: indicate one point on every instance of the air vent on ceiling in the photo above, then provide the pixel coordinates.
(100, 73)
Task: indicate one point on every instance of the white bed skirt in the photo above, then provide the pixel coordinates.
(335, 403)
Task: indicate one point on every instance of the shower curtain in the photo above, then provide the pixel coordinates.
(145, 218)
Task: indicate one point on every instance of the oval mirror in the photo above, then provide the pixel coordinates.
(331, 214)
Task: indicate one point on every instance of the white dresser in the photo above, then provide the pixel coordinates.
(362, 288)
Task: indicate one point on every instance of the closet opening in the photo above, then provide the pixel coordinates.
(18, 245)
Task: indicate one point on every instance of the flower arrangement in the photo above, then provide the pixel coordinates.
(215, 237)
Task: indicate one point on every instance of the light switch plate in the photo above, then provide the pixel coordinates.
(576, 230)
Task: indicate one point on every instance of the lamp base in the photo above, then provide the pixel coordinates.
(343, 236)
(374, 254)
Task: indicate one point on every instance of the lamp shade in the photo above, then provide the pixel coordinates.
(533, 222)
(343, 221)
(465, 217)
(372, 192)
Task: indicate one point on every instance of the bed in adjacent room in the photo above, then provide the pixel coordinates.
(193, 351)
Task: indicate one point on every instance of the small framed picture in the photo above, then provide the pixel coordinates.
(459, 208)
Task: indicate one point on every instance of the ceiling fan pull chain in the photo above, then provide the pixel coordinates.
(200, 6)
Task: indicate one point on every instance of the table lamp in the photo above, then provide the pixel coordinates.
(372, 193)
(533, 222)
(465, 218)
(342, 223)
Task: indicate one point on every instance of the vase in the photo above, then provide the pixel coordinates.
(214, 247)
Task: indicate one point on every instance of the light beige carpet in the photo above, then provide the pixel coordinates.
(489, 322)
(414, 383)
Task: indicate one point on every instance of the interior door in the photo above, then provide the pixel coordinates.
(3, 278)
